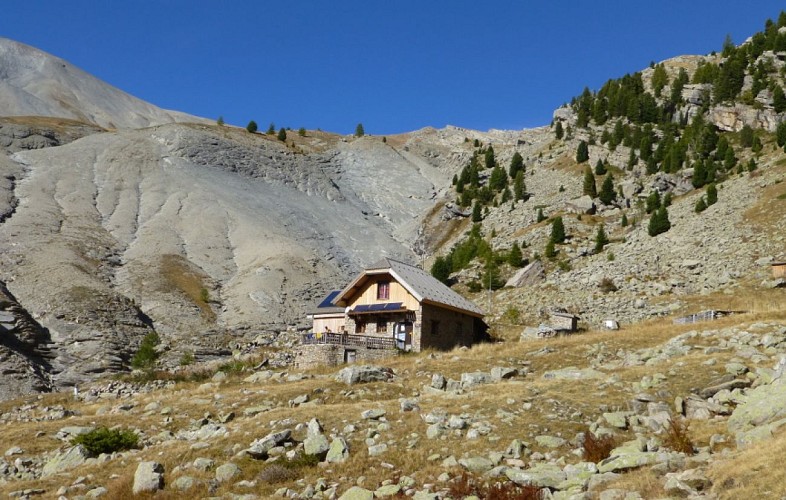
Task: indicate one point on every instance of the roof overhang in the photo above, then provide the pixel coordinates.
(455, 309)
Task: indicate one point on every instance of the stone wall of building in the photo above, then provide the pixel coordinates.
(453, 328)
(312, 355)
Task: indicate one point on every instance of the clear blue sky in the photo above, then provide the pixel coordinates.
(395, 66)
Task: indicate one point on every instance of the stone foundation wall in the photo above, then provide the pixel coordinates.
(310, 356)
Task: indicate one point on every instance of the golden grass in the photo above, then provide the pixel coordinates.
(557, 408)
(755, 472)
(185, 277)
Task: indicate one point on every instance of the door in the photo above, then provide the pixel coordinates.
(404, 335)
(350, 355)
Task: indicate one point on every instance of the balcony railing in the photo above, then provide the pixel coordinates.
(348, 340)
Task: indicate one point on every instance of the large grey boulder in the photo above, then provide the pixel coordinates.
(761, 413)
(541, 475)
(148, 478)
(316, 445)
(531, 274)
(69, 459)
(361, 374)
(338, 452)
(581, 205)
(261, 447)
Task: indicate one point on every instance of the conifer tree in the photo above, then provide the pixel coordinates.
(359, 130)
(624, 220)
(659, 222)
(559, 132)
(653, 202)
(700, 206)
(540, 217)
(600, 167)
(589, 188)
(271, 129)
(712, 195)
(514, 255)
(516, 165)
(699, 174)
(607, 193)
(441, 269)
(601, 240)
(498, 179)
(778, 99)
(476, 213)
(220, 121)
(282, 134)
(582, 152)
(550, 252)
(780, 134)
(252, 127)
(557, 231)
(519, 188)
(489, 159)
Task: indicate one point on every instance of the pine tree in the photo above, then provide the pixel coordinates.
(441, 269)
(519, 188)
(699, 177)
(476, 213)
(557, 231)
(780, 134)
(589, 188)
(514, 255)
(516, 165)
(659, 222)
(282, 134)
(506, 196)
(271, 129)
(220, 121)
(624, 220)
(607, 193)
(600, 167)
(712, 195)
(653, 202)
(488, 157)
(550, 252)
(559, 132)
(700, 206)
(582, 152)
(252, 127)
(540, 217)
(498, 179)
(359, 131)
(601, 240)
(302, 133)
(778, 99)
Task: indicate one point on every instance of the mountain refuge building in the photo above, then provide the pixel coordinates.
(390, 306)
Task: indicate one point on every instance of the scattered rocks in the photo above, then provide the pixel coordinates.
(148, 478)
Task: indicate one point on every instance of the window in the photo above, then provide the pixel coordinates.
(382, 326)
(360, 327)
(383, 290)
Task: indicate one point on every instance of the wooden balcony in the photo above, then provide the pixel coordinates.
(348, 340)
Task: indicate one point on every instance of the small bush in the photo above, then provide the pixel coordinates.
(147, 355)
(607, 285)
(204, 295)
(512, 315)
(103, 440)
(596, 449)
(466, 485)
(474, 286)
(277, 473)
(677, 438)
(187, 358)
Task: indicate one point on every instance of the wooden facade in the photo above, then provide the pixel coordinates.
(778, 269)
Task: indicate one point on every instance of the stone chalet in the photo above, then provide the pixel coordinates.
(388, 307)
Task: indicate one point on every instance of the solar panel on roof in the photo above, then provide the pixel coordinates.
(328, 301)
(393, 306)
(361, 308)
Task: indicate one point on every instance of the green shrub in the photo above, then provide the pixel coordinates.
(147, 355)
(187, 358)
(103, 440)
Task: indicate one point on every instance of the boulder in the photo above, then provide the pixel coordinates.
(469, 380)
(363, 374)
(503, 373)
(582, 205)
(261, 447)
(357, 493)
(227, 472)
(476, 465)
(338, 452)
(73, 457)
(317, 445)
(148, 478)
(573, 373)
(531, 274)
(540, 475)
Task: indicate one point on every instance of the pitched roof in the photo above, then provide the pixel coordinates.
(327, 306)
(422, 285)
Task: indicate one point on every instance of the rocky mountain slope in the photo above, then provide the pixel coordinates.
(34, 83)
